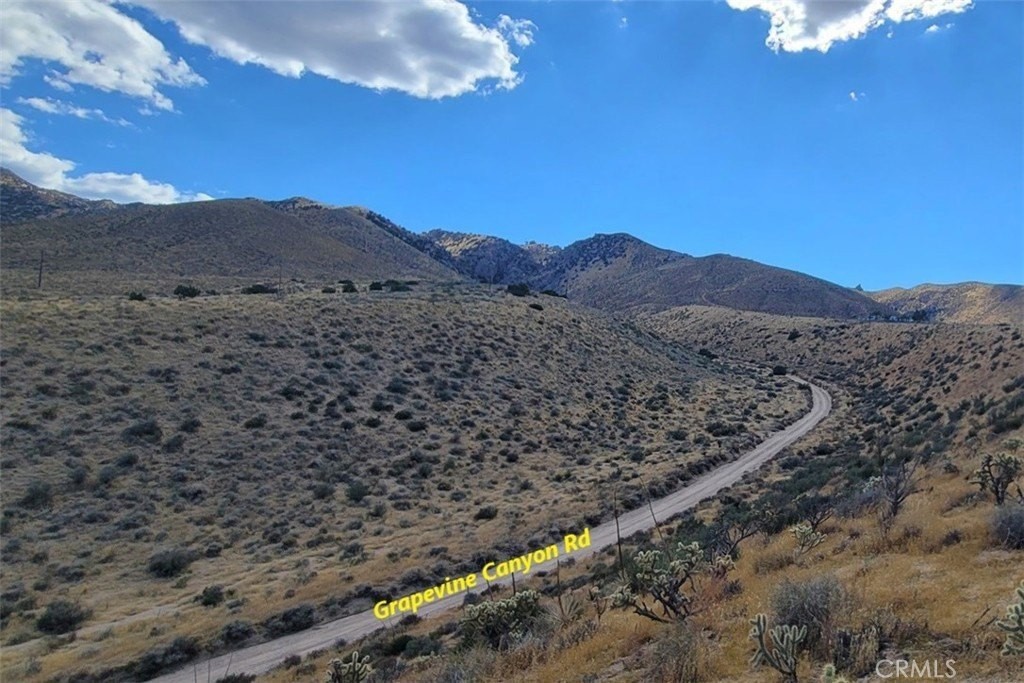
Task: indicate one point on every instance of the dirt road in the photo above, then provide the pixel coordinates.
(260, 658)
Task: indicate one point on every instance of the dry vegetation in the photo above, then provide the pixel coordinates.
(927, 583)
(195, 474)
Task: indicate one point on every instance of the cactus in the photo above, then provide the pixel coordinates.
(500, 622)
(782, 654)
(996, 474)
(1014, 625)
(668, 581)
(351, 669)
(830, 675)
(806, 538)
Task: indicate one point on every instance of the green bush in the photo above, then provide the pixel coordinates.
(39, 494)
(519, 289)
(376, 286)
(486, 512)
(186, 292)
(349, 288)
(136, 296)
(211, 596)
(171, 562)
(779, 370)
(259, 289)
(61, 617)
(356, 491)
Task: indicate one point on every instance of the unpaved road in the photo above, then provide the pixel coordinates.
(261, 658)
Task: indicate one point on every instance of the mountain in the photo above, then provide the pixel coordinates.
(967, 302)
(21, 201)
(231, 237)
(619, 272)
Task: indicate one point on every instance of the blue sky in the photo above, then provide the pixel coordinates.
(872, 150)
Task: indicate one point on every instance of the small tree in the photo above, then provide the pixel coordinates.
(784, 650)
(996, 474)
(663, 586)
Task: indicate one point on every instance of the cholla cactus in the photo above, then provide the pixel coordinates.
(351, 669)
(668, 581)
(806, 538)
(500, 622)
(782, 654)
(721, 566)
(830, 675)
(1014, 625)
(996, 474)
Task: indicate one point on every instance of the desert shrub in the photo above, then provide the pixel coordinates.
(501, 623)
(813, 603)
(356, 491)
(486, 512)
(329, 290)
(38, 494)
(291, 620)
(147, 430)
(259, 289)
(186, 292)
(518, 289)
(376, 286)
(170, 562)
(416, 425)
(537, 307)
(1007, 527)
(211, 596)
(61, 616)
(551, 292)
(323, 490)
(237, 631)
(170, 656)
(255, 422)
(349, 288)
(679, 655)
(779, 370)
(136, 296)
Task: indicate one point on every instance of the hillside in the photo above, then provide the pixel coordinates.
(968, 302)
(312, 451)
(621, 273)
(235, 238)
(21, 201)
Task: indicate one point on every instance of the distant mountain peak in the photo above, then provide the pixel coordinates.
(21, 201)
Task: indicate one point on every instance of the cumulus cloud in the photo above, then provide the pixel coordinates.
(47, 170)
(91, 43)
(61, 108)
(935, 28)
(798, 25)
(426, 48)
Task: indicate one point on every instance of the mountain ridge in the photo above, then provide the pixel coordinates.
(305, 238)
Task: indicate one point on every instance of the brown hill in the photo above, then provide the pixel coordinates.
(967, 302)
(20, 201)
(228, 238)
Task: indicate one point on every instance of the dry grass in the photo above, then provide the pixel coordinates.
(236, 426)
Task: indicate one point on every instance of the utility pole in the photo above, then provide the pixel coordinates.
(39, 278)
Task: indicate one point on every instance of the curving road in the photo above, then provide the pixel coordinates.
(261, 658)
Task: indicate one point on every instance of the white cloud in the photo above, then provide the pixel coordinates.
(935, 28)
(426, 48)
(519, 30)
(624, 22)
(49, 171)
(89, 42)
(853, 96)
(52, 106)
(798, 25)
